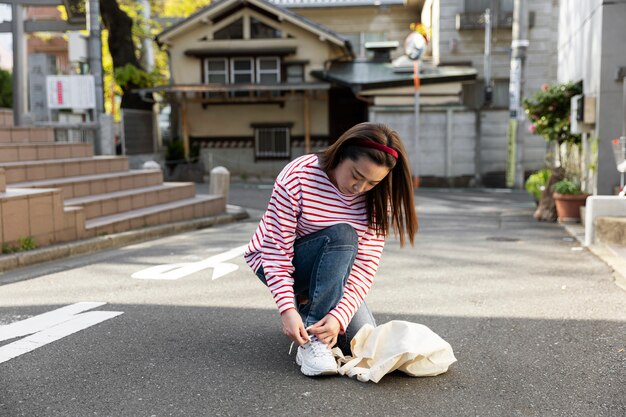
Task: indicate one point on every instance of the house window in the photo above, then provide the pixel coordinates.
(271, 142)
(268, 70)
(259, 30)
(216, 70)
(295, 73)
(232, 31)
(241, 70)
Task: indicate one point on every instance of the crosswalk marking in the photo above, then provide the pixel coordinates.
(49, 327)
(180, 270)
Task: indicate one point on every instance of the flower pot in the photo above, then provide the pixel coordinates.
(568, 206)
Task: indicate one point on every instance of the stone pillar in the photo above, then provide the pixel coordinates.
(219, 182)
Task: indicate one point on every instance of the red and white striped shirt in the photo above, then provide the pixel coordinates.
(304, 201)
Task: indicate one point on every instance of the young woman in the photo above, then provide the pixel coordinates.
(318, 245)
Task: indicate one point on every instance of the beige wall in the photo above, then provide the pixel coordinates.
(234, 120)
(392, 20)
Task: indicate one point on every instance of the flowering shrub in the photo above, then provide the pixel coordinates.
(549, 110)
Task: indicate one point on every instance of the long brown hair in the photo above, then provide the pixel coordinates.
(396, 189)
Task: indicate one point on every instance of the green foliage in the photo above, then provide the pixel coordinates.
(567, 187)
(537, 182)
(24, 244)
(130, 74)
(549, 111)
(175, 151)
(6, 89)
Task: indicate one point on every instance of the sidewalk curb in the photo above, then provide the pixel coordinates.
(64, 250)
(604, 253)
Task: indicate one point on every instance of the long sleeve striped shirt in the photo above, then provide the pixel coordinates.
(304, 201)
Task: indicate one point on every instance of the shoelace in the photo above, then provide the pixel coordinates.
(310, 340)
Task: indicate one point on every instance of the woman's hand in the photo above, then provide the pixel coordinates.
(293, 327)
(326, 330)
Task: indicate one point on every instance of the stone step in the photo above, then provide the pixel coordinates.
(190, 208)
(123, 201)
(84, 185)
(16, 172)
(16, 134)
(6, 117)
(38, 214)
(43, 151)
(611, 230)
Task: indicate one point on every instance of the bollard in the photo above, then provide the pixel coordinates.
(151, 165)
(219, 182)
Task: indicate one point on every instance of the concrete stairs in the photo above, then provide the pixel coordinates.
(58, 192)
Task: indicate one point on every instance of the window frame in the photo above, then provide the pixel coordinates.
(234, 72)
(276, 70)
(207, 72)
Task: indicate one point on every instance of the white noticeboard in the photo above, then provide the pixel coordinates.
(71, 91)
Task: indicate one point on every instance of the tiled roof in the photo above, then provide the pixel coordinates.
(334, 3)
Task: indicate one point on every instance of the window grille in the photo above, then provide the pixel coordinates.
(272, 142)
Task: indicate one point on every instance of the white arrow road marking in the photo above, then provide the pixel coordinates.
(180, 270)
(49, 327)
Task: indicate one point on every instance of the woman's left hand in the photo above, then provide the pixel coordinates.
(326, 330)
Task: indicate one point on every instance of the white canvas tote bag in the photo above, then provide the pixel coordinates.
(397, 345)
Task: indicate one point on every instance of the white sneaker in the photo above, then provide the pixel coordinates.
(316, 359)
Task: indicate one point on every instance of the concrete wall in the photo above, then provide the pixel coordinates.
(450, 145)
(240, 162)
(591, 47)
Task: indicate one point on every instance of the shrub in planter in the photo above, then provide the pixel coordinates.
(537, 182)
(568, 198)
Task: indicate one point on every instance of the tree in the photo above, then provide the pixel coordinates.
(125, 30)
(6, 89)
(123, 51)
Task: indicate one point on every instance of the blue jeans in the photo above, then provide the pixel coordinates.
(323, 261)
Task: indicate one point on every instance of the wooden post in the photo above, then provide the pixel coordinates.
(307, 124)
(185, 129)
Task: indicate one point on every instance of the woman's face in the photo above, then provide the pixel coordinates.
(357, 177)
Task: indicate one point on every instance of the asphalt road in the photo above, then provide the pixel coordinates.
(536, 323)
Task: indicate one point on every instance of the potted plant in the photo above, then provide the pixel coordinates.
(568, 199)
(549, 111)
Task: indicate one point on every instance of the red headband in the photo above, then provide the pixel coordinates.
(375, 145)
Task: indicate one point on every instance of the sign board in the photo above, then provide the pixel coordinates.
(71, 91)
(76, 47)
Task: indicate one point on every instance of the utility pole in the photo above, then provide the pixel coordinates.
(94, 48)
(487, 59)
(519, 44)
(19, 64)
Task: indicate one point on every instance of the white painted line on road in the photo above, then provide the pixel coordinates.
(60, 325)
(44, 321)
(180, 270)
